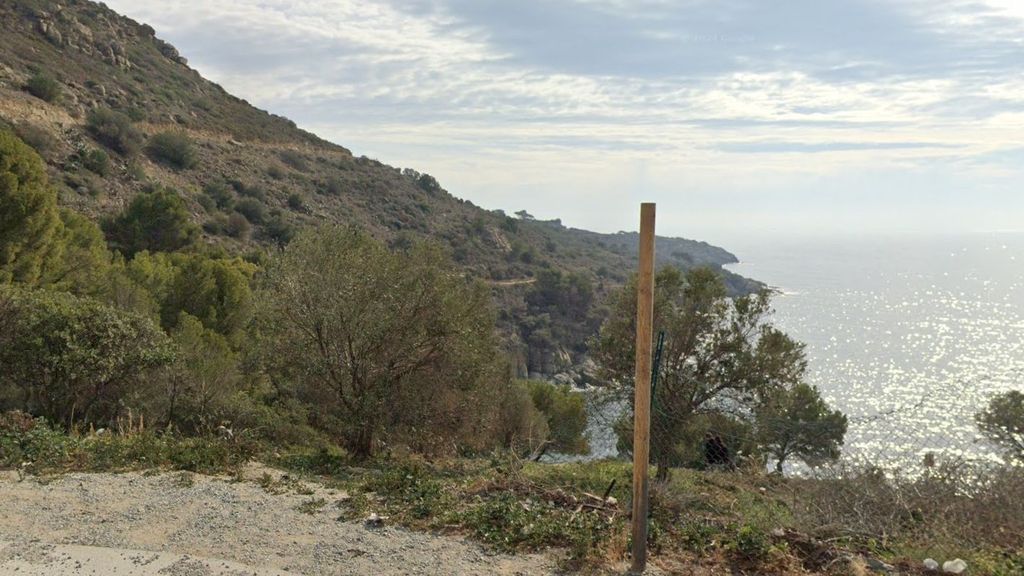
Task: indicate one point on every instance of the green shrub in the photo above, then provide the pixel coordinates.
(33, 444)
(75, 360)
(39, 138)
(156, 221)
(249, 191)
(136, 171)
(114, 130)
(253, 210)
(296, 202)
(172, 148)
(44, 88)
(566, 415)
(96, 161)
(29, 221)
(278, 230)
(24, 439)
(221, 193)
(217, 225)
(333, 187)
(276, 172)
(294, 159)
(238, 226)
(208, 203)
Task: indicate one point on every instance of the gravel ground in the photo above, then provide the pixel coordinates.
(217, 518)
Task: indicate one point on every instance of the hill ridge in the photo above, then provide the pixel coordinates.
(284, 177)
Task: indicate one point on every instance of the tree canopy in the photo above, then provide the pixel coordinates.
(722, 357)
(1003, 422)
(73, 359)
(29, 222)
(358, 328)
(156, 221)
(799, 423)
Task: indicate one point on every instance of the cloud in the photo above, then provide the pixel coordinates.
(535, 100)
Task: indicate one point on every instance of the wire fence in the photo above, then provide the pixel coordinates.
(887, 490)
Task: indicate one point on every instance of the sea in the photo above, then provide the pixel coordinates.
(909, 335)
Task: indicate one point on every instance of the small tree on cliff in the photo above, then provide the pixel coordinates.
(352, 326)
(721, 356)
(799, 423)
(1003, 422)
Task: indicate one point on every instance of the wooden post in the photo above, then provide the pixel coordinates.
(642, 399)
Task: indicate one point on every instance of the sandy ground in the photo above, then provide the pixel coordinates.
(170, 525)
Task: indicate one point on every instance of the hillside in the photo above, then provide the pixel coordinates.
(252, 178)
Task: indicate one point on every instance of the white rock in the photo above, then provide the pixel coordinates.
(930, 564)
(954, 566)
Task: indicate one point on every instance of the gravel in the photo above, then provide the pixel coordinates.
(199, 518)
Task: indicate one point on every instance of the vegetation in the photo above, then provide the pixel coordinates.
(155, 221)
(115, 130)
(376, 341)
(373, 338)
(70, 359)
(172, 148)
(1003, 422)
(723, 361)
(565, 414)
(797, 422)
(43, 87)
(96, 161)
(29, 221)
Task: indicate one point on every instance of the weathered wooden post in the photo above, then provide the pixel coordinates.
(642, 398)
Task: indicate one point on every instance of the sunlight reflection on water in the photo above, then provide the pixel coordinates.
(922, 331)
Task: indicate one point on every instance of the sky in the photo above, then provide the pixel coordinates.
(738, 117)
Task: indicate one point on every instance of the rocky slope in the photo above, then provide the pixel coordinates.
(285, 177)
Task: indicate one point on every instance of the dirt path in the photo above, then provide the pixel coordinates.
(223, 526)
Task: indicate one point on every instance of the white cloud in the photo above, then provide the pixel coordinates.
(546, 103)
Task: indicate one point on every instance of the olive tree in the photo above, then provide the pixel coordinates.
(721, 356)
(1002, 421)
(353, 326)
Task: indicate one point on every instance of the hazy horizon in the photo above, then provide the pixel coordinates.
(737, 117)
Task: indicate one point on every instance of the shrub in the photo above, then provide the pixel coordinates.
(253, 210)
(566, 415)
(249, 191)
(44, 88)
(1002, 421)
(73, 359)
(333, 187)
(208, 204)
(278, 230)
(294, 159)
(39, 138)
(157, 221)
(114, 130)
(238, 226)
(276, 172)
(217, 224)
(35, 442)
(29, 221)
(413, 325)
(172, 148)
(221, 194)
(296, 202)
(96, 161)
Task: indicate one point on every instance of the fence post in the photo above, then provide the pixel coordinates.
(642, 398)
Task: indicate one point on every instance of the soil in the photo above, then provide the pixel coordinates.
(188, 524)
